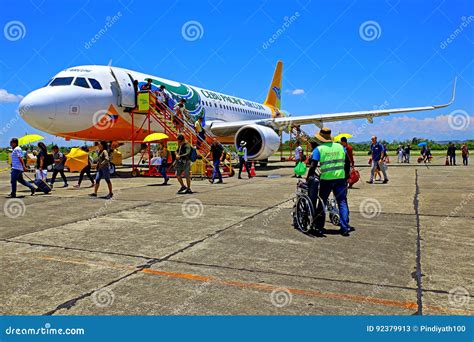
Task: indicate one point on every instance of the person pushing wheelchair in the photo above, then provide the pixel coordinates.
(335, 170)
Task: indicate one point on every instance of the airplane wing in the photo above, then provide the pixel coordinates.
(225, 128)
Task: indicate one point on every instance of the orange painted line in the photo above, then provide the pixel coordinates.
(177, 275)
(269, 287)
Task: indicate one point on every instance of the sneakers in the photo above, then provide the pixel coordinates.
(182, 190)
(109, 196)
(33, 191)
(370, 182)
(220, 181)
(385, 181)
(65, 185)
(188, 191)
(11, 196)
(93, 195)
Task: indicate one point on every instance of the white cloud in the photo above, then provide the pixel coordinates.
(297, 92)
(6, 97)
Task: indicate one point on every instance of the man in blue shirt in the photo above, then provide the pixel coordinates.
(379, 154)
(18, 167)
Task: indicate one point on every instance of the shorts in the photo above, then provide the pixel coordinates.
(183, 167)
(102, 173)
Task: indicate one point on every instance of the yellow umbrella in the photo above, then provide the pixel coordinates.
(29, 139)
(77, 159)
(341, 135)
(155, 137)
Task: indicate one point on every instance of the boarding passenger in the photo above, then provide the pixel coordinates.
(335, 167)
(162, 95)
(183, 165)
(407, 153)
(41, 163)
(178, 120)
(243, 159)
(465, 154)
(86, 170)
(147, 86)
(298, 156)
(451, 153)
(199, 131)
(400, 154)
(103, 171)
(59, 161)
(217, 154)
(18, 167)
(349, 150)
(378, 156)
(164, 154)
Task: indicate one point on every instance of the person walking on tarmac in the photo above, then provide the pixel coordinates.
(335, 165)
(183, 165)
(243, 160)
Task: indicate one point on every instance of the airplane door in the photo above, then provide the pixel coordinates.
(125, 85)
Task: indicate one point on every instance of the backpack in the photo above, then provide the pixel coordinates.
(193, 154)
(48, 160)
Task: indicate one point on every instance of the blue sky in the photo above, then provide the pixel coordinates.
(331, 63)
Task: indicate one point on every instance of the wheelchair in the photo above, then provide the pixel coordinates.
(308, 217)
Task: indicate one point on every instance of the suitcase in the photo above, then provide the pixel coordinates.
(353, 178)
(40, 182)
(42, 186)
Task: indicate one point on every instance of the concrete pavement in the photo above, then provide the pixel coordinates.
(231, 248)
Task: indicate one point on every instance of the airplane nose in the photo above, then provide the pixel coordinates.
(38, 109)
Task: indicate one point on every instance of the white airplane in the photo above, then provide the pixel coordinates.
(76, 102)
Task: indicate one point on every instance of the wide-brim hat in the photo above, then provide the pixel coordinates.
(243, 143)
(324, 135)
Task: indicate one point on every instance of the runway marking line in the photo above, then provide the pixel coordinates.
(266, 287)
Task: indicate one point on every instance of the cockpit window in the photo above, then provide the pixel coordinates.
(95, 84)
(61, 81)
(81, 82)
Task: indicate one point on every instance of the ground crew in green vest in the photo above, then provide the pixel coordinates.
(335, 168)
(243, 160)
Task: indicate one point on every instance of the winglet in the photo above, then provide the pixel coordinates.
(453, 97)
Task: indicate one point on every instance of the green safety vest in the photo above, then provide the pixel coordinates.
(332, 158)
(241, 152)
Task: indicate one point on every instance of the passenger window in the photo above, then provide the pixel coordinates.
(81, 82)
(94, 83)
(61, 81)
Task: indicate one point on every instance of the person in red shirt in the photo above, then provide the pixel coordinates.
(348, 149)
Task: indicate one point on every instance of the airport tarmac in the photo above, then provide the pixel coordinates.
(230, 249)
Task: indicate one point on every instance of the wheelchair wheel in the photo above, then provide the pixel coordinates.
(334, 218)
(304, 214)
(320, 216)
